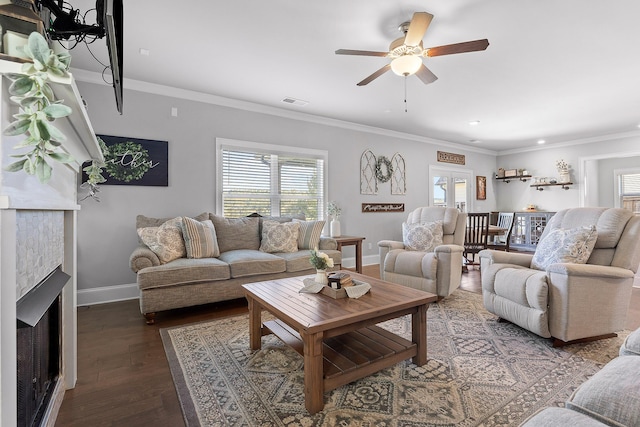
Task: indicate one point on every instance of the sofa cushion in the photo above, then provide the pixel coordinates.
(182, 271)
(199, 238)
(165, 240)
(309, 233)
(631, 345)
(422, 236)
(236, 233)
(565, 245)
(279, 237)
(612, 395)
(560, 417)
(246, 262)
(411, 263)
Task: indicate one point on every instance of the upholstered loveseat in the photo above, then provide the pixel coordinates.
(187, 261)
(609, 398)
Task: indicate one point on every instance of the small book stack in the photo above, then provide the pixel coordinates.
(340, 280)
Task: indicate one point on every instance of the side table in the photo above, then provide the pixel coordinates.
(352, 241)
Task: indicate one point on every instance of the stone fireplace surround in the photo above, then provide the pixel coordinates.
(38, 226)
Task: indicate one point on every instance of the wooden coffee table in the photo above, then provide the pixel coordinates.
(338, 338)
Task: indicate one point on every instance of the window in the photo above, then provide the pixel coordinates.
(629, 190)
(270, 180)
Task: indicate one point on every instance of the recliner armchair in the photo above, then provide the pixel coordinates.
(438, 271)
(568, 301)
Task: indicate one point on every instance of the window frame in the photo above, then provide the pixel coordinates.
(272, 149)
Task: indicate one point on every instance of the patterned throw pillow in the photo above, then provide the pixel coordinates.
(565, 245)
(309, 233)
(422, 237)
(165, 241)
(200, 238)
(279, 237)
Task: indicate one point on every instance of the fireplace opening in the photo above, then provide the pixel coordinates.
(39, 340)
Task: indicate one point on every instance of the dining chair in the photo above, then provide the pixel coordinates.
(476, 236)
(501, 241)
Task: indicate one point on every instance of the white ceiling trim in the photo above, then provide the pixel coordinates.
(140, 86)
(610, 137)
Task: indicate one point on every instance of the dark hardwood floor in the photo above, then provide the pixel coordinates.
(124, 377)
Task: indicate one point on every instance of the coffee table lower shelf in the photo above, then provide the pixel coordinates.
(352, 355)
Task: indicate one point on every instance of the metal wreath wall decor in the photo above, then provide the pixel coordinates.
(374, 170)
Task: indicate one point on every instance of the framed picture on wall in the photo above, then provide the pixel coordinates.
(481, 187)
(135, 161)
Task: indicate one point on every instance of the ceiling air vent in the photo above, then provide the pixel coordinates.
(293, 101)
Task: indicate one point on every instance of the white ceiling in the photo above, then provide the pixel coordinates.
(559, 70)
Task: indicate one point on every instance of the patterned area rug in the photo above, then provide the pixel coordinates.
(480, 373)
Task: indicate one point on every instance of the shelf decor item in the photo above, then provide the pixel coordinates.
(563, 171)
(510, 172)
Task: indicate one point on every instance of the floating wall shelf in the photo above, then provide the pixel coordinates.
(508, 179)
(564, 185)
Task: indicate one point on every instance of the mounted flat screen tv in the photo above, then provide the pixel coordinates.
(111, 15)
(65, 23)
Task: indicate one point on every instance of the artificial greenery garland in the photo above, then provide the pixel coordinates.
(38, 110)
(380, 175)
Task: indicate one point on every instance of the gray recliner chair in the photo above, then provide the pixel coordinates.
(438, 271)
(568, 301)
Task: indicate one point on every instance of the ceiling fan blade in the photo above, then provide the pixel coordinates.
(375, 75)
(418, 26)
(360, 52)
(426, 75)
(449, 49)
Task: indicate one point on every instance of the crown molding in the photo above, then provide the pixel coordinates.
(170, 91)
(569, 143)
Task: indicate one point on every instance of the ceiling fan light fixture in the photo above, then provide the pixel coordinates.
(406, 65)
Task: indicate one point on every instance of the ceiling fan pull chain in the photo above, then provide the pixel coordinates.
(405, 93)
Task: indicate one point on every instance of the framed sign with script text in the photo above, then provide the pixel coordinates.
(456, 159)
(135, 161)
(383, 207)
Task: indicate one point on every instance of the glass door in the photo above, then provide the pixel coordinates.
(450, 188)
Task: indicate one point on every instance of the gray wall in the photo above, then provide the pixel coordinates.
(541, 162)
(107, 233)
(606, 183)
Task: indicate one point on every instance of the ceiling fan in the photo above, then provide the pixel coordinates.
(406, 53)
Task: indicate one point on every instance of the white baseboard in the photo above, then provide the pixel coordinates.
(366, 260)
(107, 294)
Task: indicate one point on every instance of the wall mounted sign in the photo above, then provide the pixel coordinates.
(134, 161)
(382, 207)
(445, 157)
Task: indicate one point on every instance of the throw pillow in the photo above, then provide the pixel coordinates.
(165, 241)
(572, 245)
(200, 238)
(279, 237)
(422, 236)
(309, 233)
(236, 233)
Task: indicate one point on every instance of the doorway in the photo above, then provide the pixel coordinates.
(450, 187)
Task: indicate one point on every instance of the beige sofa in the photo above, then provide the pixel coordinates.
(609, 398)
(167, 283)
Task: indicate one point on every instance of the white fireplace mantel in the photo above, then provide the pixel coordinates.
(22, 192)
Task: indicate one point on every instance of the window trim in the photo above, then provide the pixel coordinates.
(280, 150)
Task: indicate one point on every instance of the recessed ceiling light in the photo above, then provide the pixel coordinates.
(474, 122)
(475, 141)
(541, 141)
